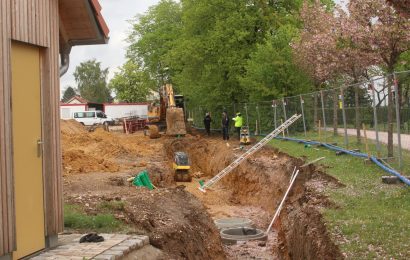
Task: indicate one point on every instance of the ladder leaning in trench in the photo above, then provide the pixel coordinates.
(248, 153)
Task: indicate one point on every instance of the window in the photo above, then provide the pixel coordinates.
(79, 115)
(100, 114)
(89, 114)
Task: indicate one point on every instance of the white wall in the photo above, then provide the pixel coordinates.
(120, 111)
(66, 112)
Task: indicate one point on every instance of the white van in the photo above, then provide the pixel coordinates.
(89, 118)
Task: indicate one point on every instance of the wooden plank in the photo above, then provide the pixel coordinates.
(6, 179)
(59, 221)
(2, 151)
(8, 133)
(52, 154)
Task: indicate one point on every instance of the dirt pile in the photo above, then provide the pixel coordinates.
(175, 221)
(178, 223)
(102, 151)
(71, 127)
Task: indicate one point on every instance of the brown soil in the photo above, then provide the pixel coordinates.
(175, 221)
(96, 165)
(102, 151)
(255, 189)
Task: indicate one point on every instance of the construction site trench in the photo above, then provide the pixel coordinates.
(178, 218)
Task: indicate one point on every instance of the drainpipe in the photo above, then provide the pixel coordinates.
(65, 59)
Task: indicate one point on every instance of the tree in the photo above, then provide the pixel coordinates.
(131, 84)
(403, 6)
(154, 35)
(91, 81)
(219, 37)
(271, 72)
(68, 94)
(385, 33)
(315, 51)
(353, 60)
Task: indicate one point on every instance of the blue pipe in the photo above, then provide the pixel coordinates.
(389, 170)
(357, 154)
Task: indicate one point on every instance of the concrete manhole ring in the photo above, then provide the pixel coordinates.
(231, 235)
(225, 223)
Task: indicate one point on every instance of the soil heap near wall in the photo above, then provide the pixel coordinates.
(102, 151)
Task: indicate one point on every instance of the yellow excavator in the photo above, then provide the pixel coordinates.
(167, 111)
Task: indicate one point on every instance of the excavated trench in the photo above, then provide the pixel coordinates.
(254, 190)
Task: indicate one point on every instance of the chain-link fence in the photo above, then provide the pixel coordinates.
(349, 115)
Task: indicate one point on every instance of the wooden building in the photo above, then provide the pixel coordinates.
(36, 37)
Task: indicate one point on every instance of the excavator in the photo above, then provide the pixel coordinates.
(170, 110)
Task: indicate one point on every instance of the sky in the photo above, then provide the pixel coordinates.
(111, 55)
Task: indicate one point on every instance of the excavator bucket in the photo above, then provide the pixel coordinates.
(175, 121)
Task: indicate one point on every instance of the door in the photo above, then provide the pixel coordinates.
(27, 150)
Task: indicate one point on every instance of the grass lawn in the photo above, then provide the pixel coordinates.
(372, 219)
(76, 219)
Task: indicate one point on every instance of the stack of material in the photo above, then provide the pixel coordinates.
(133, 125)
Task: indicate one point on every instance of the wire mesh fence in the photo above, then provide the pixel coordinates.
(349, 115)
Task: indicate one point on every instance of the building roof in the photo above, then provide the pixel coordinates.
(77, 100)
(81, 23)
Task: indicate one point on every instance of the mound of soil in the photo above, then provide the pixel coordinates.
(175, 221)
(102, 151)
(76, 161)
(71, 127)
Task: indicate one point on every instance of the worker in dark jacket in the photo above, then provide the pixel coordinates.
(207, 123)
(225, 125)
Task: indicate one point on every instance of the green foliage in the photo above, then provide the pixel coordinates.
(217, 52)
(270, 72)
(152, 38)
(68, 94)
(75, 218)
(131, 83)
(91, 81)
(218, 38)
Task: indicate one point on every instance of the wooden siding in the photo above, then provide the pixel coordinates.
(7, 241)
(34, 22)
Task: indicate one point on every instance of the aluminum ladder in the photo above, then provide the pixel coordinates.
(248, 153)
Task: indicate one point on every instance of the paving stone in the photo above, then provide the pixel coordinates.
(124, 249)
(38, 258)
(131, 244)
(105, 257)
(137, 243)
(115, 253)
(145, 239)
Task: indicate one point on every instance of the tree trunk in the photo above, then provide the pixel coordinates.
(335, 107)
(357, 112)
(389, 117)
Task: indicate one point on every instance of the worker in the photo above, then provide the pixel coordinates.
(225, 125)
(238, 124)
(207, 123)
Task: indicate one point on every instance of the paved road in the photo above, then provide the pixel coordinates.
(405, 139)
